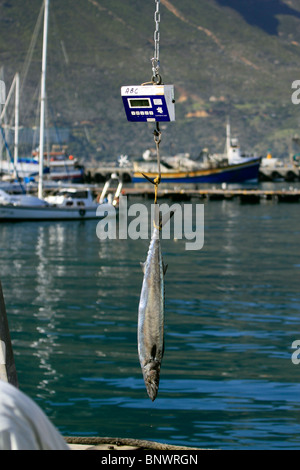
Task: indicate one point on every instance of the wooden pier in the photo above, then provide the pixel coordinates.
(254, 196)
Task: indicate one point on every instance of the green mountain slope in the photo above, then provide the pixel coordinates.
(225, 58)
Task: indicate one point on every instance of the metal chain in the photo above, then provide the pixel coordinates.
(156, 79)
(155, 60)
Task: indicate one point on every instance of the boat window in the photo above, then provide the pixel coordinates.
(81, 195)
(75, 194)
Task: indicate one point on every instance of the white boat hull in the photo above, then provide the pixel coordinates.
(23, 169)
(23, 213)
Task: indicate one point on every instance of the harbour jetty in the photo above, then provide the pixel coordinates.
(215, 194)
(175, 193)
(288, 173)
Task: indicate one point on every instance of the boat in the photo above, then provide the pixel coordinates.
(230, 167)
(66, 204)
(60, 165)
(25, 168)
(70, 204)
(247, 171)
(14, 166)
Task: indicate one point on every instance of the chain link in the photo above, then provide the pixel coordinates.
(155, 60)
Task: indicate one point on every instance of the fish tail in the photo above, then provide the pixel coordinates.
(151, 373)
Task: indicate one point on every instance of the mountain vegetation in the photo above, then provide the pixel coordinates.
(226, 58)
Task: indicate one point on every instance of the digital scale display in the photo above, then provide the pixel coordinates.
(140, 103)
(149, 103)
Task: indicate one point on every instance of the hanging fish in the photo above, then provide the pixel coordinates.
(151, 312)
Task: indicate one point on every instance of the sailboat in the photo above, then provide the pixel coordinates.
(15, 167)
(68, 204)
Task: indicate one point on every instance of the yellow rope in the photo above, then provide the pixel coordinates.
(157, 139)
(155, 226)
(156, 182)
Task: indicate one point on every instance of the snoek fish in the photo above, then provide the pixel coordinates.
(151, 313)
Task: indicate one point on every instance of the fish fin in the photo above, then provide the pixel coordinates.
(165, 267)
(166, 218)
(159, 220)
(153, 351)
(143, 266)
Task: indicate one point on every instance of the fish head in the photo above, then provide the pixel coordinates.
(151, 373)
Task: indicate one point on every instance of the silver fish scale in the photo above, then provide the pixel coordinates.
(151, 317)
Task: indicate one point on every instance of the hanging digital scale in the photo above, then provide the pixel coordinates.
(149, 103)
(152, 101)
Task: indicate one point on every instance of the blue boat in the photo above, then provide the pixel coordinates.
(236, 173)
(230, 167)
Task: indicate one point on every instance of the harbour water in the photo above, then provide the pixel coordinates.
(232, 314)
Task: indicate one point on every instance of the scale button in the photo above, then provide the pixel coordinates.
(133, 113)
(157, 102)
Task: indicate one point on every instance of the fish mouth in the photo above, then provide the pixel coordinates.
(151, 378)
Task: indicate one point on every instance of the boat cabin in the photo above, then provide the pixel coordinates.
(70, 197)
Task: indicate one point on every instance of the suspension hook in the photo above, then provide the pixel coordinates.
(156, 77)
(156, 181)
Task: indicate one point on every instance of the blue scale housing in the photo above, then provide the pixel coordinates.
(149, 103)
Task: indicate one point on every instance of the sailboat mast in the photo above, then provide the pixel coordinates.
(16, 146)
(43, 99)
(228, 137)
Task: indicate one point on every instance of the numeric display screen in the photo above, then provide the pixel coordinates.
(140, 103)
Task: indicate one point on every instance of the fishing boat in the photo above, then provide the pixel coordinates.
(247, 171)
(56, 168)
(25, 168)
(230, 167)
(69, 204)
(60, 165)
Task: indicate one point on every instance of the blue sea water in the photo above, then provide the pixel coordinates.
(232, 314)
